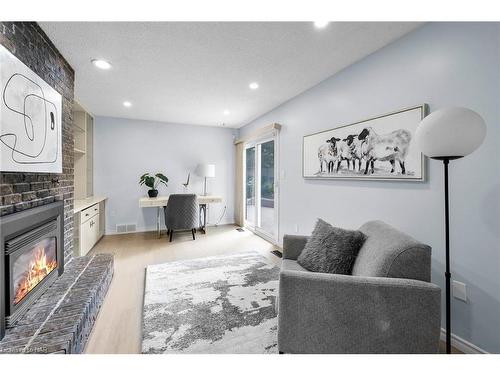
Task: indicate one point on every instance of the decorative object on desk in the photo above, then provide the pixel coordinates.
(380, 148)
(152, 182)
(30, 120)
(205, 171)
(449, 134)
(186, 184)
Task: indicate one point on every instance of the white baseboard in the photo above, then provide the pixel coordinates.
(143, 230)
(462, 344)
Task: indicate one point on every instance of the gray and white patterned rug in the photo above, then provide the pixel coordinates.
(220, 304)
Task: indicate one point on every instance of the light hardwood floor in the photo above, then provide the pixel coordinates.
(118, 325)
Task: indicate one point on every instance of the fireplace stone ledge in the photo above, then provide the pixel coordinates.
(61, 320)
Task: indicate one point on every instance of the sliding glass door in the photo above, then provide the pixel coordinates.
(261, 209)
(250, 182)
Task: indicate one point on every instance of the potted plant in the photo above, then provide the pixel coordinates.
(152, 182)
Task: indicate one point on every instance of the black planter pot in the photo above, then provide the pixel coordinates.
(153, 193)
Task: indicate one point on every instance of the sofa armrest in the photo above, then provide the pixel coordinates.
(293, 245)
(329, 313)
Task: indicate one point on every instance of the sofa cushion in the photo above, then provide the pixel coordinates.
(330, 249)
(387, 252)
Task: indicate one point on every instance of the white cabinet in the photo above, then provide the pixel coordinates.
(89, 234)
(89, 225)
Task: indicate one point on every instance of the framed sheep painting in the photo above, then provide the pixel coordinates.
(380, 148)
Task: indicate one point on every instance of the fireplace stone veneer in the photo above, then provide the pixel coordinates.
(61, 320)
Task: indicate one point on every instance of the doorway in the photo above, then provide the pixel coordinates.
(261, 188)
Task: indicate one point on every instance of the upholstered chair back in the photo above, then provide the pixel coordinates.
(181, 212)
(387, 252)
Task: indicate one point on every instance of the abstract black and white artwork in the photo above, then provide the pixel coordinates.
(380, 148)
(30, 119)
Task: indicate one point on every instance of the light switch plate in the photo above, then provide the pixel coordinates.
(459, 290)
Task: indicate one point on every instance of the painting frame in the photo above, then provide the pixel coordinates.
(423, 112)
(30, 119)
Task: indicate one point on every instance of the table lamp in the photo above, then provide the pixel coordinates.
(205, 170)
(448, 134)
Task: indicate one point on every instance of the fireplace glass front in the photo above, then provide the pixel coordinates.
(33, 266)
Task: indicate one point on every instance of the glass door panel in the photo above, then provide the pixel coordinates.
(260, 188)
(266, 211)
(250, 182)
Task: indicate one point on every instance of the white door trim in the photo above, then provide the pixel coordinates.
(254, 227)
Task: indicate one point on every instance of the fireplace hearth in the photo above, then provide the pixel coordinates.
(31, 259)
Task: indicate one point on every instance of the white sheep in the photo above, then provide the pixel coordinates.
(327, 155)
(386, 147)
(345, 152)
(359, 150)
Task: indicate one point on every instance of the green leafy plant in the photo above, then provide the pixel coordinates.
(152, 181)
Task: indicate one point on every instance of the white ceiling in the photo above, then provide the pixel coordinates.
(190, 72)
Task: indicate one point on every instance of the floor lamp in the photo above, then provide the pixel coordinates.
(449, 134)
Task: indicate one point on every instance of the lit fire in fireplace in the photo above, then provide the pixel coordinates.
(38, 269)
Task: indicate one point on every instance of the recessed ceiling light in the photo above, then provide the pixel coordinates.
(101, 64)
(321, 24)
(254, 85)
(226, 112)
(127, 104)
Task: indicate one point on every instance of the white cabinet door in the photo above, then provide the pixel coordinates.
(89, 232)
(95, 228)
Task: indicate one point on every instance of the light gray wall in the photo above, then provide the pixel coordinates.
(440, 64)
(125, 149)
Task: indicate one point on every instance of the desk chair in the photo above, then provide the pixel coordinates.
(181, 213)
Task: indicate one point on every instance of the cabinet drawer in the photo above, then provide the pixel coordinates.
(89, 212)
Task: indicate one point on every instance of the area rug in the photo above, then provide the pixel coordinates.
(220, 304)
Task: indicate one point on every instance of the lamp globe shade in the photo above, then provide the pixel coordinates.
(450, 132)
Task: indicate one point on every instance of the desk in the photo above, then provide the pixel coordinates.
(159, 202)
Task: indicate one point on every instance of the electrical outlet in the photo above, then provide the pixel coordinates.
(459, 290)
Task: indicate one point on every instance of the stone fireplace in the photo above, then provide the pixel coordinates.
(46, 305)
(48, 299)
(32, 245)
(22, 192)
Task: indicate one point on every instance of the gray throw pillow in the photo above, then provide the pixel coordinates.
(331, 250)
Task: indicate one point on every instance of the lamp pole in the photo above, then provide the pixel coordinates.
(447, 247)
(431, 136)
(447, 274)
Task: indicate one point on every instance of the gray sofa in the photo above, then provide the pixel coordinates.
(387, 305)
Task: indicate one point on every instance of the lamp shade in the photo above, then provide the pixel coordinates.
(205, 170)
(450, 132)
